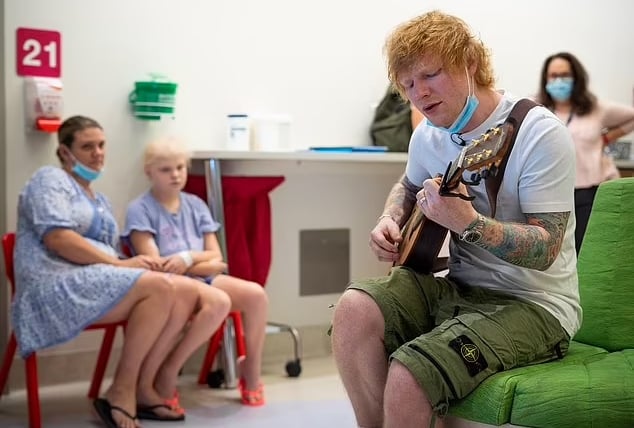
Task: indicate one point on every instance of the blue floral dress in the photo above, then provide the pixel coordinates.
(56, 299)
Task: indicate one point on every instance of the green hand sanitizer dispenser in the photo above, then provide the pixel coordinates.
(153, 99)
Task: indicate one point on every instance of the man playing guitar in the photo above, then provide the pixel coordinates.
(408, 343)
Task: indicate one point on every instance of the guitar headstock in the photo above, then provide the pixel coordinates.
(484, 151)
(481, 154)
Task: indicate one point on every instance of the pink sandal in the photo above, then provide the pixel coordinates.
(174, 403)
(251, 397)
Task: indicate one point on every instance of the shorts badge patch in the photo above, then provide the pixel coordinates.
(470, 354)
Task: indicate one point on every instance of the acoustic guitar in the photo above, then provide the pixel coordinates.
(423, 238)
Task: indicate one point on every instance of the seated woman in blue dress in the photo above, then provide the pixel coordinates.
(177, 226)
(69, 275)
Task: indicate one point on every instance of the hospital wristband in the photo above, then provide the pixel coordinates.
(187, 258)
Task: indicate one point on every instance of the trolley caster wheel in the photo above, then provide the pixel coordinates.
(293, 368)
(215, 378)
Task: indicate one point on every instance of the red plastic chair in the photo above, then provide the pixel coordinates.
(214, 347)
(110, 330)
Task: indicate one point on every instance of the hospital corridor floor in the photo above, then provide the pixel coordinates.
(315, 399)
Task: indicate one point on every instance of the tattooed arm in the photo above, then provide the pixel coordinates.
(533, 245)
(400, 200)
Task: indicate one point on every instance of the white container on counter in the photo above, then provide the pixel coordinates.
(238, 132)
(271, 132)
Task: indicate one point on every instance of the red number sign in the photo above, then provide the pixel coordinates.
(38, 52)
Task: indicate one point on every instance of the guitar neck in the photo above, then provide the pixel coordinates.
(423, 238)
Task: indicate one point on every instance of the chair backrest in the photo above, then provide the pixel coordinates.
(8, 243)
(606, 270)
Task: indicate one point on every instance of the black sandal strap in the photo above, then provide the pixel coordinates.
(125, 412)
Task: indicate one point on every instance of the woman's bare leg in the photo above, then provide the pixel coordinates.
(213, 306)
(146, 308)
(185, 301)
(251, 299)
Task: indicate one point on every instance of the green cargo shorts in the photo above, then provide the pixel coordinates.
(451, 337)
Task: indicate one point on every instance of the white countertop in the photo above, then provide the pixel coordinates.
(308, 155)
(624, 163)
(301, 155)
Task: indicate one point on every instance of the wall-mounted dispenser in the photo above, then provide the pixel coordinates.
(44, 103)
(153, 99)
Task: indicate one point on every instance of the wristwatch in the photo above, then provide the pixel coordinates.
(473, 232)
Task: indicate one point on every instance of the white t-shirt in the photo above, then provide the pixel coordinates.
(539, 178)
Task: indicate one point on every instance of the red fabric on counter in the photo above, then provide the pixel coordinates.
(247, 211)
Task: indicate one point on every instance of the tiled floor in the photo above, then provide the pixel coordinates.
(315, 399)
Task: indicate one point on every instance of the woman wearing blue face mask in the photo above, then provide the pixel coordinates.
(592, 123)
(69, 275)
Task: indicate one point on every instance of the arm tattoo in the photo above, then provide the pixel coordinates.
(533, 245)
(401, 200)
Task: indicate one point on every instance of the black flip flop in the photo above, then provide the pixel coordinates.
(104, 410)
(148, 413)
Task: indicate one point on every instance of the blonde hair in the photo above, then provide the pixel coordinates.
(442, 36)
(165, 148)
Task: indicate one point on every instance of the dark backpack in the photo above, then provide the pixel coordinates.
(392, 124)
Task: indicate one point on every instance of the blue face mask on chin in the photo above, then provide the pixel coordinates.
(465, 115)
(560, 89)
(84, 172)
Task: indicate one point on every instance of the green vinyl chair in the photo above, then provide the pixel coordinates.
(593, 385)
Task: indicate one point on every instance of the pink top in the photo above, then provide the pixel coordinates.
(586, 134)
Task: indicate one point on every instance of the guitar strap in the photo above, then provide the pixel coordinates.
(514, 120)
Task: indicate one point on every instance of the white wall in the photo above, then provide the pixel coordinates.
(320, 62)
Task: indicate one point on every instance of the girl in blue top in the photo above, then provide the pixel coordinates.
(178, 227)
